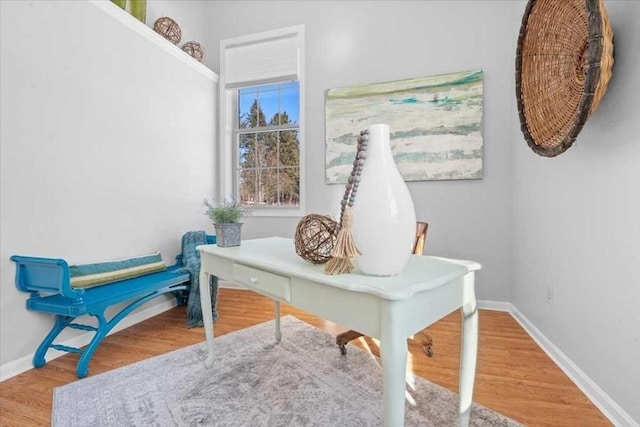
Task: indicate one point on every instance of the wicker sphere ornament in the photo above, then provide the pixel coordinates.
(194, 49)
(315, 238)
(168, 28)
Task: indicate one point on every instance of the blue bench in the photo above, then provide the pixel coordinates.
(48, 282)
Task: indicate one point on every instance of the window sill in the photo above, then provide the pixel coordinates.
(277, 212)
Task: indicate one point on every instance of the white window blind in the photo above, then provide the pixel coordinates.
(262, 61)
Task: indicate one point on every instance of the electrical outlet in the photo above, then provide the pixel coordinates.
(549, 294)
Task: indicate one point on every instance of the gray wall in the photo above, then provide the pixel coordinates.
(106, 148)
(353, 43)
(577, 231)
(569, 223)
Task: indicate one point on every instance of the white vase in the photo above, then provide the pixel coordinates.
(384, 219)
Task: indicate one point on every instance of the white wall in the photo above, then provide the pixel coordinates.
(577, 231)
(106, 146)
(357, 42)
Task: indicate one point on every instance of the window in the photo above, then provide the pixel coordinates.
(268, 145)
(262, 122)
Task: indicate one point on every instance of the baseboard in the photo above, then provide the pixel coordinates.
(618, 416)
(495, 305)
(23, 364)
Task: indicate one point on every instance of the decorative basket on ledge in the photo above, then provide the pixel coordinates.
(195, 50)
(564, 62)
(169, 29)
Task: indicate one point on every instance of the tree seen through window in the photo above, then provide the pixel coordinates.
(269, 145)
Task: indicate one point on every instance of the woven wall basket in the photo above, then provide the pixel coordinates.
(564, 62)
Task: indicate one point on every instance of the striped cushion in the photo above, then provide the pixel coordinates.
(100, 273)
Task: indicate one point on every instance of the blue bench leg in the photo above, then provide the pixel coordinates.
(103, 329)
(39, 359)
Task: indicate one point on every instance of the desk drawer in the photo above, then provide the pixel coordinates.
(269, 283)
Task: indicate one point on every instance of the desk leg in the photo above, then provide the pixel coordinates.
(393, 352)
(207, 316)
(276, 304)
(469, 349)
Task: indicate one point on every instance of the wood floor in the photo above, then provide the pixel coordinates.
(514, 376)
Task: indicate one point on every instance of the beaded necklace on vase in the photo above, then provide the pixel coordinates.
(345, 247)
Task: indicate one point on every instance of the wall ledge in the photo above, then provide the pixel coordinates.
(126, 19)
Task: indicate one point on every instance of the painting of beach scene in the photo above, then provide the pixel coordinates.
(435, 125)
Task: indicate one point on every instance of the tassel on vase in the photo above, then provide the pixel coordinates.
(345, 248)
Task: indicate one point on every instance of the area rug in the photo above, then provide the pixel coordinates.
(302, 381)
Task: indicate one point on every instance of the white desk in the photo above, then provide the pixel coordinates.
(390, 309)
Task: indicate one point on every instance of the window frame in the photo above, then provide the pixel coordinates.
(228, 185)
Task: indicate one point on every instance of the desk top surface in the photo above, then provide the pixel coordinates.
(278, 255)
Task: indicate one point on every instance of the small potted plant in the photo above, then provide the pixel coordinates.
(225, 217)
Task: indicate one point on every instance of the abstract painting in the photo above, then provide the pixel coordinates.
(435, 125)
